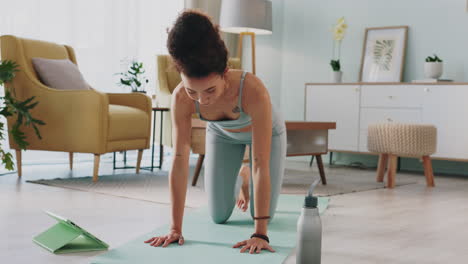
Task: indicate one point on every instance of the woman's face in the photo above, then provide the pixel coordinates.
(206, 90)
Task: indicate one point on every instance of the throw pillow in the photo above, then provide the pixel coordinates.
(59, 74)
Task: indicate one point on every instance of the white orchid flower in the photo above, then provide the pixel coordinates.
(340, 20)
(339, 29)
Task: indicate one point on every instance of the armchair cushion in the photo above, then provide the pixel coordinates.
(59, 74)
(127, 122)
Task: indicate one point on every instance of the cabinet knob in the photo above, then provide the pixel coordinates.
(427, 90)
(389, 119)
(390, 97)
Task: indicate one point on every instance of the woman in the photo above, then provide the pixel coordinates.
(238, 110)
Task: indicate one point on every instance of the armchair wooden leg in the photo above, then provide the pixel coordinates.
(392, 166)
(382, 166)
(18, 163)
(321, 170)
(428, 171)
(70, 158)
(97, 158)
(140, 156)
(201, 157)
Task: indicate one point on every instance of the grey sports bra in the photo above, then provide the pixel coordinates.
(244, 119)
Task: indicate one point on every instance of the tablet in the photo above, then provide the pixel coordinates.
(67, 237)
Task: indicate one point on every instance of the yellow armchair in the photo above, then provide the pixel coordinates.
(169, 78)
(85, 121)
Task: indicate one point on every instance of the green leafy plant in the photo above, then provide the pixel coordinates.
(11, 107)
(134, 77)
(335, 64)
(433, 59)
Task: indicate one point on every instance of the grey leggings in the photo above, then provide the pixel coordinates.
(223, 159)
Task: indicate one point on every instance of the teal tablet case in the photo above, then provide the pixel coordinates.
(67, 237)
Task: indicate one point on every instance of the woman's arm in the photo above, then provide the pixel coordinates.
(181, 112)
(181, 133)
(258, 106)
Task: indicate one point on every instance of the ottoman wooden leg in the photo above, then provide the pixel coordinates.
(428, 171)
(392, 166)
(382, 166)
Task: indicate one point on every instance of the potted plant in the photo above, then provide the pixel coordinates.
(11, 107)
(337, 74)
(433, 68)
(134, 77)
(338, 36)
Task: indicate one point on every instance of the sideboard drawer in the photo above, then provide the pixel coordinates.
(391, 96)
(381, 115)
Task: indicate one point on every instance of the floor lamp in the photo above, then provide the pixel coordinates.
(246, 18)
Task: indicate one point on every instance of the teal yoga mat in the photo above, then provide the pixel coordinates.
(206, 242)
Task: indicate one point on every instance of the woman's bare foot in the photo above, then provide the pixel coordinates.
(244, 196)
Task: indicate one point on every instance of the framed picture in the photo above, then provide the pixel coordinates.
(383, 54)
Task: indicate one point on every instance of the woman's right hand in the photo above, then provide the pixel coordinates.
(172, 237)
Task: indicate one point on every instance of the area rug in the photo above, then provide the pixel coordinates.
(207, 242)
(153, 187)
(341, 180)
(146, 186)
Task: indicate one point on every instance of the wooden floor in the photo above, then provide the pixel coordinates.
(409, 224)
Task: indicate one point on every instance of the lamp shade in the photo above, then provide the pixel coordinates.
(246, 16)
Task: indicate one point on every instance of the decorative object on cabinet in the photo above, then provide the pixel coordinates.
(433, 67)
(383, 54)
(392, 140)
(337, 75)
(338, 35)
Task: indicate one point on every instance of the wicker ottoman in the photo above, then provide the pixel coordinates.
(392, 140)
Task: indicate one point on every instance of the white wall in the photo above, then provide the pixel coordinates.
(269, 57)
(102, 32)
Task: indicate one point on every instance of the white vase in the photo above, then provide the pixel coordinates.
(433, 70)
(337, 76)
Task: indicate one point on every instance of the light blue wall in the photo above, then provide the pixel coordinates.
(435, 26)
(268, 49)
(439, 26)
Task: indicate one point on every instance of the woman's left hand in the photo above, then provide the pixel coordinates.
(254, 245)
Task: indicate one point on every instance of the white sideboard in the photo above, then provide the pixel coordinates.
(354, 106)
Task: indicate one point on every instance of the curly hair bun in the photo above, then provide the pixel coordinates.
(196, 46)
